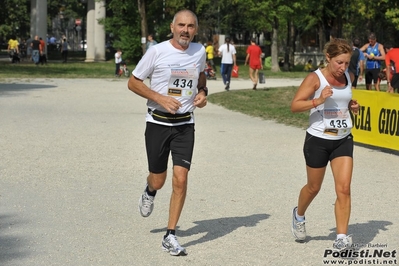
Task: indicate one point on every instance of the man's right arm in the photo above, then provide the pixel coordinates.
(361, 65)
(247, 59)
(364, 47)
(137, 86)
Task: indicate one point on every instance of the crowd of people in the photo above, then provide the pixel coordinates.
(367, 62)
(35, 49)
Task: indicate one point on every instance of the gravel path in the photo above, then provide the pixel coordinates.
(73, 165)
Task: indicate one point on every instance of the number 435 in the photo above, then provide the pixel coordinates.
(338, 124)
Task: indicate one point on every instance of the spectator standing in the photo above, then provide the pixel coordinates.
(356, 65)
(309, 66)
(150, 42)
(43, 56)
(374, 53)
(53, 40)
(22, 49)
(254, 60)
(13, 49)
(321, 64)
(36, 50)
(210, 54)
(392, 63)
(327, 94)
(29, 48)
(228, 53)
(64, 50)
(118, 60)
(177, 87)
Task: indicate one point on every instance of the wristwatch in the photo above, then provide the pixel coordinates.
(205, 89)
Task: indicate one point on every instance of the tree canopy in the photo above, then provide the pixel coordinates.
(286, 25)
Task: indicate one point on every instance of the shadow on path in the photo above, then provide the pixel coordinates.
(7, 89)
(363, 233)
(216, 228)
(11, 245)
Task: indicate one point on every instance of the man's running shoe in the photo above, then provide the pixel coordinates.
(343, 243)
(170, 244)
(146, 204)
(298, 228)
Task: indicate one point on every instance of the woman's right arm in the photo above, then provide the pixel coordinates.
(301, 101)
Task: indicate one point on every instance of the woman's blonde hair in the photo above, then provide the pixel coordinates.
(337, 47)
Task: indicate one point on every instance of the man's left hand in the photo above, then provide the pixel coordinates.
(200, 99)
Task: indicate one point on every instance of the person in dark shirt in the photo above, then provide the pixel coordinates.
(43, 57)
(36, 50)
(356, 64)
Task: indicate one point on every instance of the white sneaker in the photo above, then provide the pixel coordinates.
(146, 204)
(170, 244)
(343, 243)
(298, 228)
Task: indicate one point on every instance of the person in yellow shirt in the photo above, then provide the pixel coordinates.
(13, 49)
(308, 67)
(209, 55)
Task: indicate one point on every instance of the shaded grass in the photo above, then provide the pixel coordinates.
(57, 70)
(77, 68)
(270, 104)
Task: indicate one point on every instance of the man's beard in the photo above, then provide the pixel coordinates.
(184, 42)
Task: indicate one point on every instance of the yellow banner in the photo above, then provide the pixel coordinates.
(377, 123)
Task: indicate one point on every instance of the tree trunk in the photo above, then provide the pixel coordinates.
(144, 26)
(288, 47)
(292, 30)
(275, 66)
(322, 40)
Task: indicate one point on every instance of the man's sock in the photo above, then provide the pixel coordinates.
(169, 232)
(150, 193)
(340, 236)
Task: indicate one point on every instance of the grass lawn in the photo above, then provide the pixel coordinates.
(269, 104)
(55, 69)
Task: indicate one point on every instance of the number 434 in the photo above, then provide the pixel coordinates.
(182, 83)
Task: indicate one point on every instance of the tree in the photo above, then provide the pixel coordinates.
(14, 19)
(143, 22)
(123, 24)
(266, 16)
(392, 13)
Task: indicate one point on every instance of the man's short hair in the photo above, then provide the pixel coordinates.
(253, 40)
(372, 36)
(356, 42)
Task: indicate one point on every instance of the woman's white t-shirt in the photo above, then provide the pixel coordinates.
(227, 56)
(333, 115)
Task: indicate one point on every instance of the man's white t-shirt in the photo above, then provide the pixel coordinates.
(172, 72)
